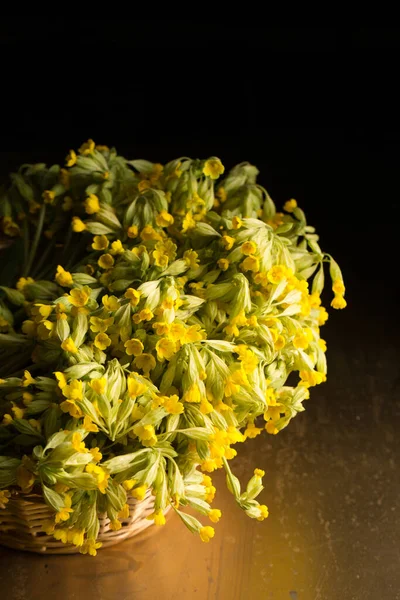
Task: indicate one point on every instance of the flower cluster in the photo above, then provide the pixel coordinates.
(159, 313)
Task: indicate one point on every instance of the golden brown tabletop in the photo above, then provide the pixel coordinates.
(332, 487)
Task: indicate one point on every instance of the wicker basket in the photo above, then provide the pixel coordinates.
(21, 525)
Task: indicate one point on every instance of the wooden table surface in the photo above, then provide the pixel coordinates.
(332, 486)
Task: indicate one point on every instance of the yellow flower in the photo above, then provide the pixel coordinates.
(124, 512)
(221, 194)
(249, 361)
(139, 493)
(188, 222)
(237, 223)
(315, 300)
(248, 248)
(110, 302)
(96, 454)
(67, 203)
(79, 296)
(90, 547)
(263, 512)
(227, 241)
(70, 406)
(63, 278)
(133, 296)
(87, 147)
(149, 233)
(276, 220)
(158, 517)
(22, 282)
(259, 472)
(145, 362)
(173, 406)
(251, 430)
(29, 328)
(144, 185)
(146, 434)
(277, 273)
(88, 424)
(98, 385)
(18, 412)
(100, 242)
(164, 219)
(117, 248)
(74, 390)
(234, 381)
(144, 315)
(76, 536)
(290, 205)
(136, 388)
(213, 168)
(25, 476)
(251, 263)
(106, 261)
(115, 525)
(102, 341)
(65, 512)
(310, 378)
(160, 259)
(128, 484)
(214, 515)
(70, 160)
(323, 316)
(78, 225)
(338, 302)
(77, 443)
(27, 398)
(322, 344)
(223, 264)
(162, 328)
(59, 534)
(165, 349)
(100, 325)
(100, 474)
(27, 379)
(48, 196)
(4, 498)
(133, 347)
(191, 258)
(62, 380)
(65, 178)
(302, 340)
(10, 227)
(206, 407)
(132, 231)
(206, 533)
(192, 394)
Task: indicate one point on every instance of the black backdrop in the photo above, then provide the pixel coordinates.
(314, 108)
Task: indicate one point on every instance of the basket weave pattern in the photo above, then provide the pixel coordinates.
(21, 525)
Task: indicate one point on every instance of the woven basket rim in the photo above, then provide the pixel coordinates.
(21, 524)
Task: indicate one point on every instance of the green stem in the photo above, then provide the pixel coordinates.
(38, 266)
(26, 242)
(36, 239)
(67, 242)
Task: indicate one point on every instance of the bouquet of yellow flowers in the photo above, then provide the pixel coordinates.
(158, 313)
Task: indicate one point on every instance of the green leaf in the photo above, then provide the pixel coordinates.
(14, 296)
(191, 522)
(53, 499)
(23, 426)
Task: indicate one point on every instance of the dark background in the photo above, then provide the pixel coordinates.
(316, 109)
